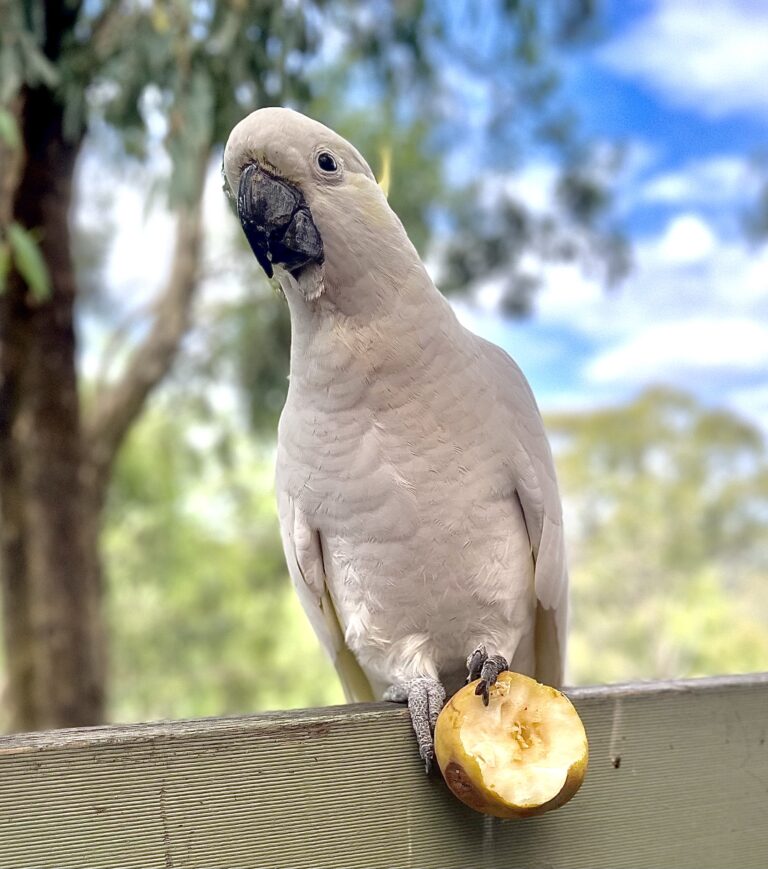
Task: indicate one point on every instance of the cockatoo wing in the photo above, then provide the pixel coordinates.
(304, 556)
(537, 491)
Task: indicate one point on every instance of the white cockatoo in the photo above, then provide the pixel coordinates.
(418, 503)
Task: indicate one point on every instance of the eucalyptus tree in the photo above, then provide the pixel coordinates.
(70, 70)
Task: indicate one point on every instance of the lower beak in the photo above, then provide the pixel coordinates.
(277, 221)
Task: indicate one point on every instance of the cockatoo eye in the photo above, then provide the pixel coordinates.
(326, 161)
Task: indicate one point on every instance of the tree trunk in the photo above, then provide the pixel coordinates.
(12, 555)
(55, 467)
(53, 622)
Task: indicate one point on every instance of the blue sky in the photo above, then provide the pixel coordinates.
(683, 85)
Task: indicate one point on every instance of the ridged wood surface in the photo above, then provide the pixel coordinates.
(678, 777)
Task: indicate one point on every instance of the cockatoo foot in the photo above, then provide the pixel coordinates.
(487, 669)
(425, 698)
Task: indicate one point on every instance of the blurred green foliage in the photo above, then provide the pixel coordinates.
(667, 508)
(459, 99)
(667, 502)
(202, 615)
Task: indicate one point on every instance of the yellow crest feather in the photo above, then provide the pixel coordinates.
(386, 168)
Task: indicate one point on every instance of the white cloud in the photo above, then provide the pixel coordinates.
(708, 56)
(141, 244)
(533, 184)
(567, 293)
(686, 270)
(685, 349)
(719, 180)
(754, 283)
(687, 239)
(140, 250)
(693, 313)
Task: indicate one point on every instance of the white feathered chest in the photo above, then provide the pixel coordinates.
(414, 500)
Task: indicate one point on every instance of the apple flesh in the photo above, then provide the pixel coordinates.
(522, 755)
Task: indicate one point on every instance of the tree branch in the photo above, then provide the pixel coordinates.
(12, 159)
(17, 697)
(108, 26)
(117, 340)
(116, 408)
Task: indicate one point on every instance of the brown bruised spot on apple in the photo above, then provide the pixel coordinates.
(522, 755)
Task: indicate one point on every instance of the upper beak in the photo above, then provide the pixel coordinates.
(277, 221)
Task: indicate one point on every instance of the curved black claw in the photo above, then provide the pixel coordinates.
(475, 663)
(489, 674)
(425, 698)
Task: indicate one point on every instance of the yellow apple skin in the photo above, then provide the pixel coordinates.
(525, 725)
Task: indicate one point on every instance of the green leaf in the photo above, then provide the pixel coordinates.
(39, 69)
(5, 264)
(29, 261)
(9, 130)
(10, 74)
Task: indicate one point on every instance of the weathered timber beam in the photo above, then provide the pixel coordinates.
(678, 778)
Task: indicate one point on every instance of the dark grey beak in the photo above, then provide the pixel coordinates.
(277, 221)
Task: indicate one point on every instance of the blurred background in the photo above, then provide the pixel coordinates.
(587, 181)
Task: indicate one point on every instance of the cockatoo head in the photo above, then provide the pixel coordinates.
(307, 201)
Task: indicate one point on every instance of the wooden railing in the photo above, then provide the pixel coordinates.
(678, 777)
